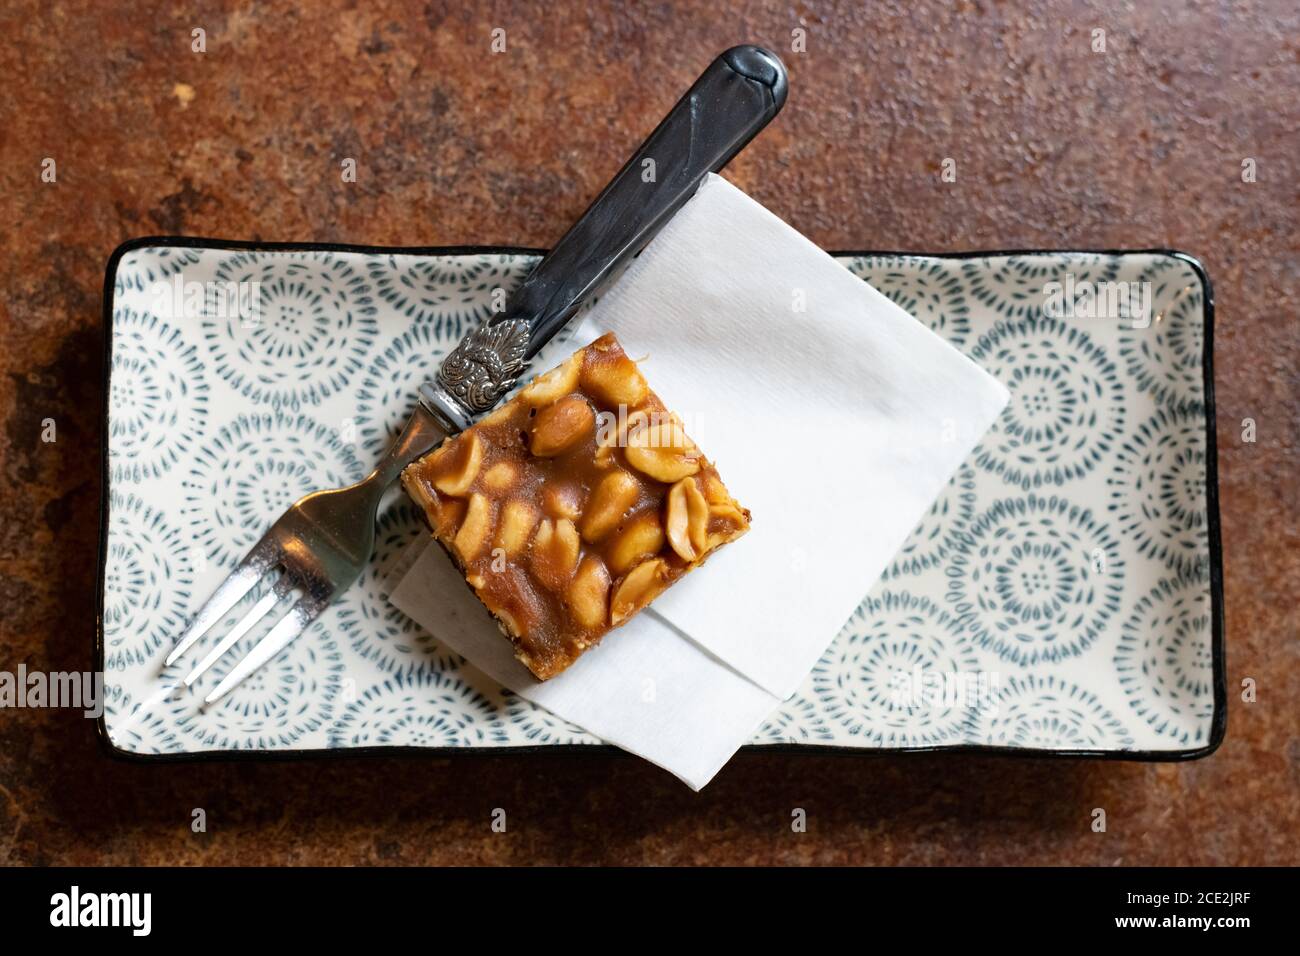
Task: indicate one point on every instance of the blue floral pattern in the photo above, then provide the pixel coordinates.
(143, 269)
(1068, 403)
(882, 679)
(143, 726)
(427, 709)
(1164, 358)
(451, 294)
(1164, 661)
(313, 331)
(148, 574)
(252, 470)
(1048, 713)
(928, 289)
(1157, 489)
(1015, 287)
(287, 700)
(1035, 579)
(929, 543)
(159, 399)
(1065, 562)
(376, 630)
(389, 386)
(797, 721)
(536, 725)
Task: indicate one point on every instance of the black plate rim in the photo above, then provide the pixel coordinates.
(1218, 720)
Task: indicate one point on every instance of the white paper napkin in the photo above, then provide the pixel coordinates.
(831, 414)
(651, 691)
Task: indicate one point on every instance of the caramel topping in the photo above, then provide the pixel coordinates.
(573, 505)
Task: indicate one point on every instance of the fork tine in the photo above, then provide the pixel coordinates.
(246, 624)
(238, 583)
(289, 627)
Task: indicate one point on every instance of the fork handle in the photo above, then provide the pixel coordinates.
(732, 100)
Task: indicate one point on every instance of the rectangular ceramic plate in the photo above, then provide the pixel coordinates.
(1074, 559)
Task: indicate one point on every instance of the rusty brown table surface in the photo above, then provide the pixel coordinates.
(1056, 146)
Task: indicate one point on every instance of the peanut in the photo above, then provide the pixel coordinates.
(663, 452)
(643, 538)
(561, 426)
(589, 593)
(517, 521)
(677, 521)
(637, 590)
(613, 379)
(555, 384)
(464, 458)
(473, 533)
(616, 493)
(555, 553)
(501, 477)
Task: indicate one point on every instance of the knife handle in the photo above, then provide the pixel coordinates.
(732, 100)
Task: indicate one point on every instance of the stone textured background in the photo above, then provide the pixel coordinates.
(1055, 147)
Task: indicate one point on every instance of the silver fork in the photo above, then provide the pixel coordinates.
(320, 546)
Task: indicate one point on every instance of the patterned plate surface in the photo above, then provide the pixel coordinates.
(1061, 596)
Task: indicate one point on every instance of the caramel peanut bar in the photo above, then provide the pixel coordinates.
(572, 506)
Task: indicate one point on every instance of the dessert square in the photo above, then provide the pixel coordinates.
(575, 504)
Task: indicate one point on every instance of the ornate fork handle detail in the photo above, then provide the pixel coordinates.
(485, 364)
(731, 101)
